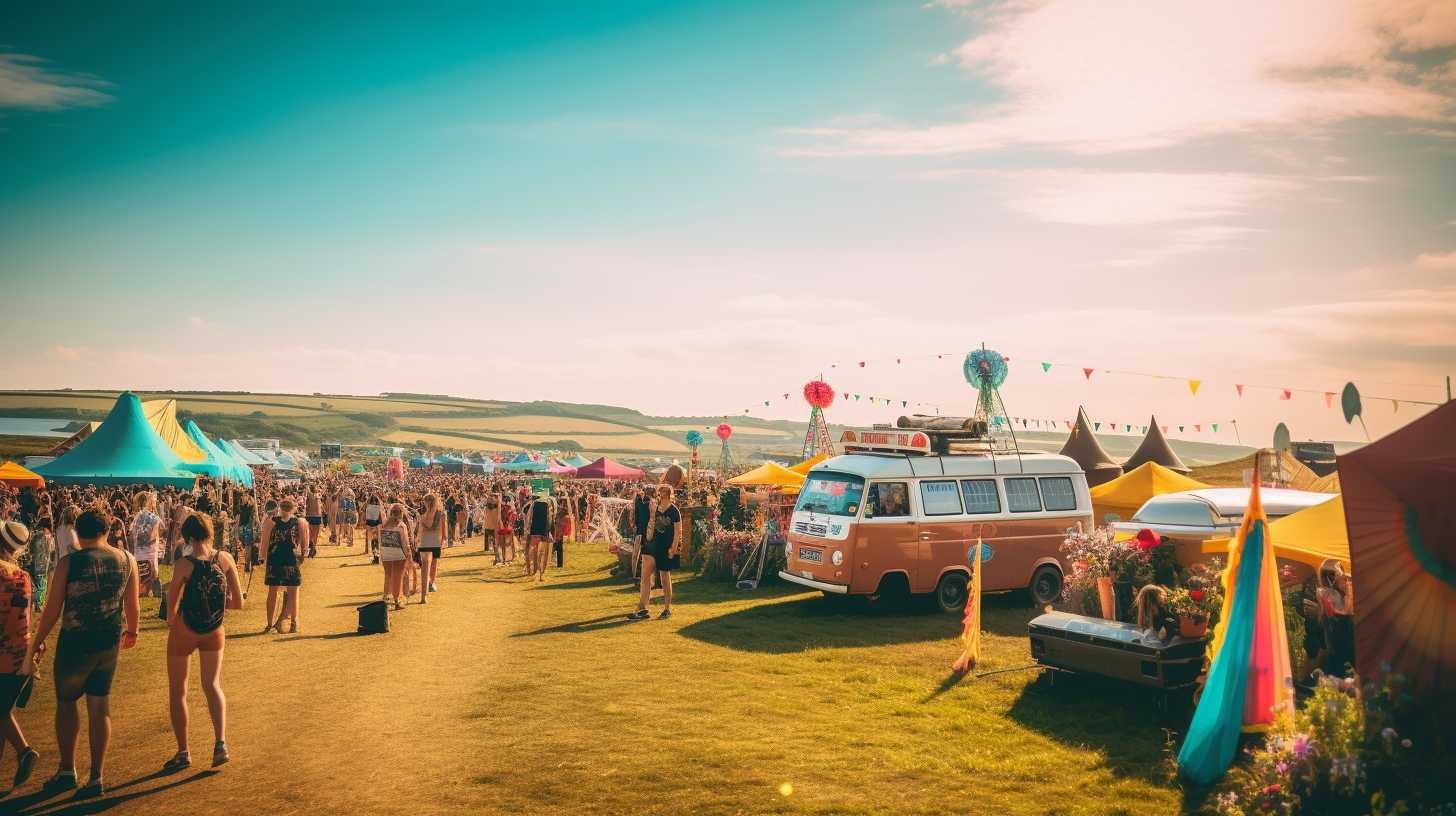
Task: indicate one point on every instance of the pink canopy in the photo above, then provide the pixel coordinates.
(558, 466)
(605, 468)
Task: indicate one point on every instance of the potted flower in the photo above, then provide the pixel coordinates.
(1195, 605)
(1089, 553)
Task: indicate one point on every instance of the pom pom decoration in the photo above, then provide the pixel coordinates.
(985, 369)
(818, 394)
(724, 431)
(694, 439)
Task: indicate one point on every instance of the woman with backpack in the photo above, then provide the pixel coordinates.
(204, 584)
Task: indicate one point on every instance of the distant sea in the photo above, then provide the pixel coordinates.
(30, 426)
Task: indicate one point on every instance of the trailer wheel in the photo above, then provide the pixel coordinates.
(951, 593)
(1046, 585)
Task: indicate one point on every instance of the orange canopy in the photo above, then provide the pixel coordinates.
(15, 475)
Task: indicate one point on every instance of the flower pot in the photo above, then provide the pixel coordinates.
(1192, 627)
(1104, 594)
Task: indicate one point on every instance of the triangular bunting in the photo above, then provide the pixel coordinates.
(1046, 366)
(1240, 388)
(1329, 399)
(1087, 372)
(1286, 394)
(1193, 386)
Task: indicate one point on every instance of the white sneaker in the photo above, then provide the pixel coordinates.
(432, 587)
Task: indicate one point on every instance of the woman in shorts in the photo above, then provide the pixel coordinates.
(432, 532)
(373, 519)
(287, 544)
(203, 585)
(15, 669)
(395, 550)
(662, 547)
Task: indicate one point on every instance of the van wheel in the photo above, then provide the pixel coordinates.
(951, 593)
(1046, 585)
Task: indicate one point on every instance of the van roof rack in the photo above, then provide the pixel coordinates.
(921, 435)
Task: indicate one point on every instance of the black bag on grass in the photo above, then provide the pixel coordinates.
(374, 618)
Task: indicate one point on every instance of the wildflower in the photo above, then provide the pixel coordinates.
(1387, 733)
(1301, 746)
(1282, 767)
(1195, 594)
(1405, 743)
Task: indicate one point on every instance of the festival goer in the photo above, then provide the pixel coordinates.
(287, 544)
(431, 531)
(505, 531)
(347, 516)
(16, 669)
(538, 537)
(1153, 615)
(373, 517)
(661, 553)
(1337, 616)
(146, 539)
(95, 589)
(395, 550)
(488, 515)
(66, 531)
(203, 585)
(563, 531)
(313, 513)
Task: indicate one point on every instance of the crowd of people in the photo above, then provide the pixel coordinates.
(78, 559)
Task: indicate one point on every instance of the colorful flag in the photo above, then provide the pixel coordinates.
(1046, 366)
(1240, 388)
(1087, 372)
(1199, 428)
(1249, 678)
(1215, 427)
(971, 626)
(1329, 399)
(1193, 386)
(1286, 394)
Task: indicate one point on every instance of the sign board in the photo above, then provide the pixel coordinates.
(543, 486)
(885, 440)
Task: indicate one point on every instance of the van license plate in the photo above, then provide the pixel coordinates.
(812, 556)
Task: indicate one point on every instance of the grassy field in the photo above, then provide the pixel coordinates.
(527, 424)
(408, 438)
(503, 696)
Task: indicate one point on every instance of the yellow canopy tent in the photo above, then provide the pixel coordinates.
(1309, 536)
(1125, 494)
(161, 414)
(803, 467)
(16, 475)
(770, 474)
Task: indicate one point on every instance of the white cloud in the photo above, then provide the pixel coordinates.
(25, 82)
(1437, 261)
(1124, 75)
(1089, 197)
(1187, 241)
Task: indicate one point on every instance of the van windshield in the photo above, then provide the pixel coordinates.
(836, 494)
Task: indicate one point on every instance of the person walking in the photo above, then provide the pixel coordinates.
(396, 547)
(203, 585)
(287, 543)
(16, 669)
(42, 559)
(432, 530)
(660, 553)
(146, 541)
(562, 530)
(95, 601)
(313, 513)
(373, 518)
(538, 537)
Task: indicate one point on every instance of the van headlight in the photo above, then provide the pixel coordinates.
(837, 558)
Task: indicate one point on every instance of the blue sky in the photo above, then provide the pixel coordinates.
(691, 207)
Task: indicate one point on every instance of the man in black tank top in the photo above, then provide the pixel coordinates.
(95, 591)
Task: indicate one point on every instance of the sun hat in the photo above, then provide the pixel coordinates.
(14, 535)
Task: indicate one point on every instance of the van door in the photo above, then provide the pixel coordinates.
(888, 534)
(941, 531)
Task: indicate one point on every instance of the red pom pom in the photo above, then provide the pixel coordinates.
(818, 394)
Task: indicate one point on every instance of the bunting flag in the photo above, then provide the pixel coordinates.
(1193, 386)
(1180, 429)
(1046, 366)
(1240, 388)
(1097, 426)
(1087, 372)
(1329, 399)
(1395, 404)
(1069, 424)
(1199, 428)
(861, 363)
(971, 625)
(1215, 427)
(1249, 677)
(1165, 429)
(1285, 394)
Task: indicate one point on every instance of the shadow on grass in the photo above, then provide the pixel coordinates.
(1119, 719)
(43, 804)
(815, 622)
(951, 681)
(327, 636)
(579, 627)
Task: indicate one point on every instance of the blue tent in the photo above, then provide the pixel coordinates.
(419, 462)
(124, 449)
(242, 454)
(244, 473)
(218, 463)
(527, 466)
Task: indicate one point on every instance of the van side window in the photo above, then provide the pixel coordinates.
(940, 498)
(1057, 494)
(1022, 496)
(980, 496)
(887, 499)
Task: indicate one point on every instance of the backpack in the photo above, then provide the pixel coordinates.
(374, 618)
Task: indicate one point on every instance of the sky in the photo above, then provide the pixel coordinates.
(692, 208)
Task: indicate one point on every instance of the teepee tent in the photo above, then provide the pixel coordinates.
(1155, 448)
(576, 460)
(124, 449)
(244, 455)
(225, 466)
(1082, 446)
(162, 414)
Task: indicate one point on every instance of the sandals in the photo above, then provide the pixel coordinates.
(180, 761)
(640, 614)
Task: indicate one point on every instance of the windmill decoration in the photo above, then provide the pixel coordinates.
(816, 439)
(695, 441)
(725, 459)
(986, 370)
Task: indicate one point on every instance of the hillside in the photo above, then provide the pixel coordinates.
(453, 423)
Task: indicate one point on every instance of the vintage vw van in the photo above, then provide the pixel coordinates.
(901, 518)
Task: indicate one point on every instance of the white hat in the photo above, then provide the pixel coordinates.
(14, 535)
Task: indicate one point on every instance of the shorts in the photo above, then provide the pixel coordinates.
(431, 551)
(660, 558)
(78, 673)
(283, 575)
(373, 523)
(502, 531)
(10, 686)
(349, 518)
(313, 521)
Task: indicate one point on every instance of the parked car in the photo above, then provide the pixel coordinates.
(1191, 517)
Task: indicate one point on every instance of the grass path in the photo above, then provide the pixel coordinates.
(504, 696)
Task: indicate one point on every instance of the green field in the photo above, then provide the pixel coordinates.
(503, 696)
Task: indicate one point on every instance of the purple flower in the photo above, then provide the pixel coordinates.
(1301, 746)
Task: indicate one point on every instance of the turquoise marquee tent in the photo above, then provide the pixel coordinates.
(124, 449)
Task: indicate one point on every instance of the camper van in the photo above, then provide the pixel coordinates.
(901, 511)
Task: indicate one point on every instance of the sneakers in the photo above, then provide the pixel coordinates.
(432, 586)
(180, 761)
(93, 788)
(25, 765)
(62, 781)
(641, 614)
(666, 613)
(220, 754)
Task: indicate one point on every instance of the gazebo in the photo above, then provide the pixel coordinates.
(605, 468)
